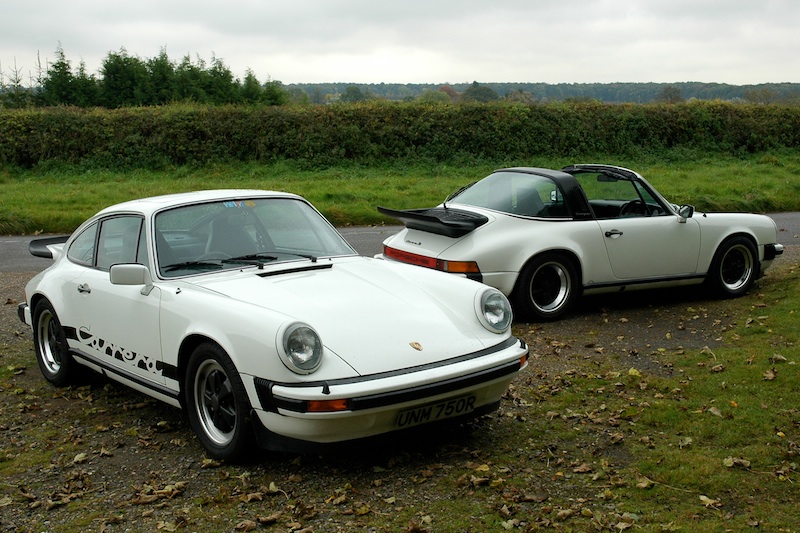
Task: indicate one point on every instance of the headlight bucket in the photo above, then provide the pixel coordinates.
(299, 347)
(493, 310)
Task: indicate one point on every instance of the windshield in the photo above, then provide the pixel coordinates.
(227, 234)
(516, 193)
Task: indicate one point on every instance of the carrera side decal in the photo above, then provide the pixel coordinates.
(129, 357)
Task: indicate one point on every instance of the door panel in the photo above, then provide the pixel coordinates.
(651, 247)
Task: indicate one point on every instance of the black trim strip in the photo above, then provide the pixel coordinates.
(325, 266)
(271, 402)
(433, 389)
(160, 389)
(642, 282)
(410, 370)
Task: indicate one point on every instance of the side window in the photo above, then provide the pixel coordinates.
(119, 241)
(81, 250)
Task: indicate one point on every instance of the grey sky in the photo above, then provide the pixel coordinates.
(423, 41)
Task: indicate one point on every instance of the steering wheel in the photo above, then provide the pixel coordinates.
(632, 208)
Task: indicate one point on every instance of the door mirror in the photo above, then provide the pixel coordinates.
(132, 274)
(686, 211)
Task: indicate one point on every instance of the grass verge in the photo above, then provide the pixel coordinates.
(56, 199)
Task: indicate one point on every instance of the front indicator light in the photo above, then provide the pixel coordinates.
(327, 406)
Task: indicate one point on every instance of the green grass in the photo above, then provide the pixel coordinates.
(715, 446)
(55, 199)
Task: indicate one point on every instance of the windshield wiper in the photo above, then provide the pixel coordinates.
(313, 258)
(191, 265)
(259, 257)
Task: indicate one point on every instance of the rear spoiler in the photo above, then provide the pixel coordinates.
(41, 247)
(439, 220)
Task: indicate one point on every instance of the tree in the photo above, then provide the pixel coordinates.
(670, 94)
(189, 81)
(479, 93)
(433, 97)
(521, 97)
(161, 72)
(57, 85)
(274, 93)
(450, 92)
(219, 83)
(86, 90)
(13, 94)
(352, 94)
(251, 88)
(762, 95)
(125, 80)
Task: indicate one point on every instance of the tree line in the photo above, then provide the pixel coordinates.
(129, 81)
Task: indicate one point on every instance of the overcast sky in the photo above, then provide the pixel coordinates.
(423, 41)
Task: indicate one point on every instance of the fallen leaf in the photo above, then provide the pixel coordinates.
(770, 374)
(708, 502)
(246, 525)
(80, 458)
(730, 462)
(582, 469)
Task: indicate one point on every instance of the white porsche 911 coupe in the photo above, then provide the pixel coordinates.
(544, 237)
(248, 309)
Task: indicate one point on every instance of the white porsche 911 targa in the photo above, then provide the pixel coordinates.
(248, 309)
(544, 237)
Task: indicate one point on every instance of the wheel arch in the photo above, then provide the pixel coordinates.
(569, 254)
(719, 246)
(187, 347)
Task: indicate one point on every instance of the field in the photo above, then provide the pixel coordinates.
(56, 198)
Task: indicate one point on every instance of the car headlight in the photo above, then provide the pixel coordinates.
(493, 310)
(300, 348)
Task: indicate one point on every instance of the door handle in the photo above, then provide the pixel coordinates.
(84, 288)
(613, 233)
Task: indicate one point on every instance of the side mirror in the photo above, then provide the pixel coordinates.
(132, 274)
(686, 212)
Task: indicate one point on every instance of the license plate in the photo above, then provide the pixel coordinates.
(436, 411)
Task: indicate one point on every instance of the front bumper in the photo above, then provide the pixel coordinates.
(372, 405)
(24, 313)
(771, 251)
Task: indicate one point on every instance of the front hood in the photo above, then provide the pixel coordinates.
(371, 313)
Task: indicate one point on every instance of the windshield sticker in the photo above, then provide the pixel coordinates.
(239, 203)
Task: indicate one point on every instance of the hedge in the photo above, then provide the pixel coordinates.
(379, 131)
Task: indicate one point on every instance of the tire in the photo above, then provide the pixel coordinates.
(735, 267)
(217, 404)
(50, 343)
(547, 287)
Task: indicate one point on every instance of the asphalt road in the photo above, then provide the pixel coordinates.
(14, 255)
